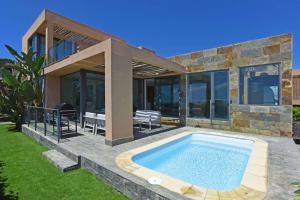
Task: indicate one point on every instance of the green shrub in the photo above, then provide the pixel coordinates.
(296, 113)
(297, 192)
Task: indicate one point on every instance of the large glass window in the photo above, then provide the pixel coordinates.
(220, 94)
(70, 89)
(95, 92)
(167, 95)
(208, 95)
(62, 49)
(199, 94)
(259, 85)
(37, 43)
(137, 94)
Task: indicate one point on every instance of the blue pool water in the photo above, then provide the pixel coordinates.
(208, 161)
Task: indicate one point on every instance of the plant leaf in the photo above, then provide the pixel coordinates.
(9, 79)
(13, 52)
(297, 191)
(27, 90)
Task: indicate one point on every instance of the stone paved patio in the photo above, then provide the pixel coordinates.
(95, 156)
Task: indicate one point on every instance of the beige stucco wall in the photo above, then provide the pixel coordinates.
(52, 91)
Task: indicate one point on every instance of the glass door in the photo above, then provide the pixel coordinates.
(220, 98)
(167, 96)
(199, 95)
(95, 93)
(208, 95)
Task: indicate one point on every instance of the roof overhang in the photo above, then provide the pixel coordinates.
(145, 64)
(57, 20)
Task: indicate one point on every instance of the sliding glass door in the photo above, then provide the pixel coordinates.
(208, 95)
(220, 95)
(70, 89)
(166, 95)
(199, 95)
(85, 90)
(95, 91)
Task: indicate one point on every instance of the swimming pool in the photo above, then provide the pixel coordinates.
(207, 161)
(202, 165)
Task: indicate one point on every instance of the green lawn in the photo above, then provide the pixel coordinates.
(26, 173)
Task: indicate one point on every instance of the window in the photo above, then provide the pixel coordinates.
(208, 95)
(137, 94)
(37, 43)
(259, 85)
(95, 92)
(166, 97)
(70, 89)
(199, 94)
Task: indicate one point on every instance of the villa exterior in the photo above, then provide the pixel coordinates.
(244, 87)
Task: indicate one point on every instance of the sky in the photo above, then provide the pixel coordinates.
(167, 27)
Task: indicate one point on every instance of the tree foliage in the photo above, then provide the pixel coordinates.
(296, 113)
(297, 192)
(20, 85)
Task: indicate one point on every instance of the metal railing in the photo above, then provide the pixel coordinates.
(54, 123)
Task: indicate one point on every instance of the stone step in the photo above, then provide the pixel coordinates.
(60, 161)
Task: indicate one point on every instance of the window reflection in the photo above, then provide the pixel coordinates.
(199, 94)
(70, 89)
(95, 91)
(167, 95)
(137, 94)
(37, 43)
(259, 85)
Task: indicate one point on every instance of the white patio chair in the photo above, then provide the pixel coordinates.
(100, 122)
(89, 121)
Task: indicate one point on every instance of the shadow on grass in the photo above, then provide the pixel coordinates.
(11, 128)
(3, 185)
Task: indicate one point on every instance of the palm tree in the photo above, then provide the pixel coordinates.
(21, 84)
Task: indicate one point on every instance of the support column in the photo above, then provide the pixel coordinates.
(118, 94)
(48, 40)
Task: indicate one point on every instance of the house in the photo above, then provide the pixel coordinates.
(244, 87)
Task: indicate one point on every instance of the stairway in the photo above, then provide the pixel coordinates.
(62, 162)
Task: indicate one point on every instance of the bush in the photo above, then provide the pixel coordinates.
(296, 113)
(297, 192)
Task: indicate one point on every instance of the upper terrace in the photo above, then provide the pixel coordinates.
(64, 37)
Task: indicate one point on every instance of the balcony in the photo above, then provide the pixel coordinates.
(67, 43)
(61, 50)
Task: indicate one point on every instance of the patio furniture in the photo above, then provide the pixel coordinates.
(89, 121)
(149, 117)
(100, 123)
(66, 112)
